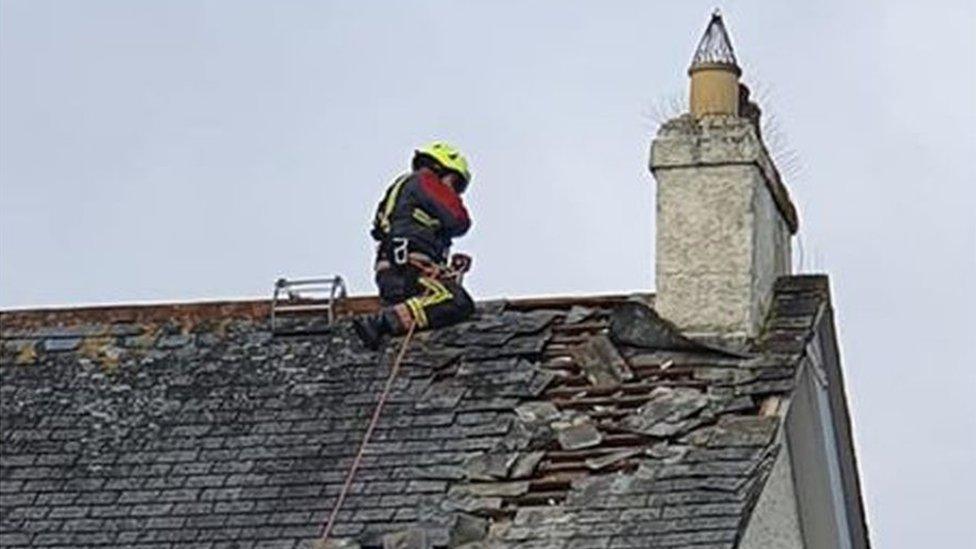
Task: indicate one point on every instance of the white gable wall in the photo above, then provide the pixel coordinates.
(775, 523)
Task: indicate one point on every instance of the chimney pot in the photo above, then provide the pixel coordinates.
(714, 73)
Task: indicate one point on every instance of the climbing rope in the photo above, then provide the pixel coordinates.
(326, 528)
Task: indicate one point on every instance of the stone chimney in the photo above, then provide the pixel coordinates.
(724, 217)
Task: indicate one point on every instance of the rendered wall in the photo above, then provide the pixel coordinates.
(774, 523)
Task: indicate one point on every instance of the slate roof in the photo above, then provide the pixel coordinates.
(557, 423)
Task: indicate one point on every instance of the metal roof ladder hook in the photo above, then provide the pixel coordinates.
(297, 306)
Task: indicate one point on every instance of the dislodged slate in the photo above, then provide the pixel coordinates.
(666, 405)
(577, 314)
(539, 382)
(586, 491)
(649, 360)
(601, 462)
(526, 464)
(537, 412)
(636, 324)
(489, 466)
(668, 453)
(578, 435)
(526, 436)
(600, 362)
(664, 429)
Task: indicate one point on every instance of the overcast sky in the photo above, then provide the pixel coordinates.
(178, 150)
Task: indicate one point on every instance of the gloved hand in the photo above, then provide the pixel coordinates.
(460, 264)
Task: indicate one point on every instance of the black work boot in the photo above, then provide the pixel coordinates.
(371, 328)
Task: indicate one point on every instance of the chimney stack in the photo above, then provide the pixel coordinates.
(724, 217)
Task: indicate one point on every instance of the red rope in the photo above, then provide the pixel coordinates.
(326, 528)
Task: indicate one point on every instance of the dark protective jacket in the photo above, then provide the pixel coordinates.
(418, 207)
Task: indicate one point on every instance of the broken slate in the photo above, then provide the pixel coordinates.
(666, 405)
(537, 412)
(668, 453)
(601, 462)
(526, 463)
(601, 363)
(636, 324)
(489, 466)
(577, 314)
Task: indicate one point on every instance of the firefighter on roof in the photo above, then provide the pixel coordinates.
(419, 215)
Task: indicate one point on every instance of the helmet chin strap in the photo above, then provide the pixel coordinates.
(460, 185)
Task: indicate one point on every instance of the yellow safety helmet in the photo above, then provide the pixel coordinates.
(447, 156)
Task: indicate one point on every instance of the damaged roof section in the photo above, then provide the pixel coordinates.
(573, 422)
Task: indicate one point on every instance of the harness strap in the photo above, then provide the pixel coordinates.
(421, 261)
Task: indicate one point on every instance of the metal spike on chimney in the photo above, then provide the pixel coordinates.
(715, 47)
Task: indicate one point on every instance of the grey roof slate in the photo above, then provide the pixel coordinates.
(525, 427)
